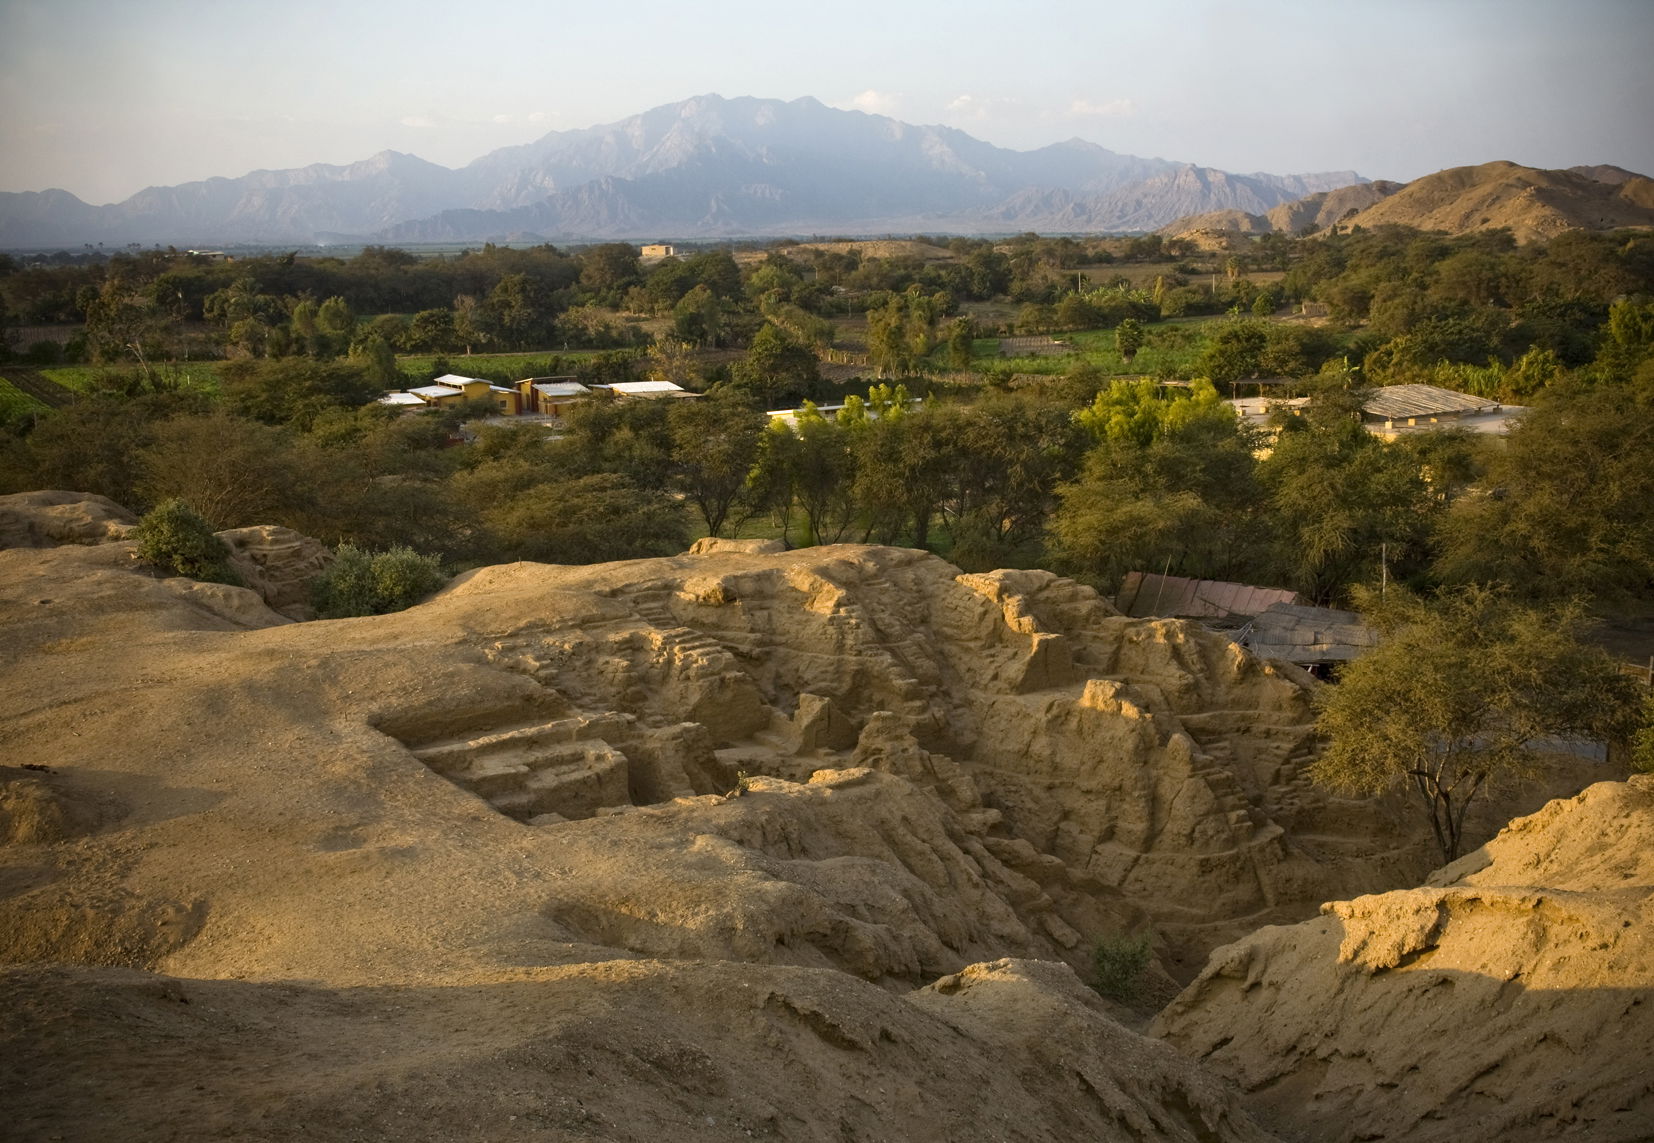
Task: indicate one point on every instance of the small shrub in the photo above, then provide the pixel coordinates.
(1118, 964)
(358, 582)
(1642, 740)
(173, 537)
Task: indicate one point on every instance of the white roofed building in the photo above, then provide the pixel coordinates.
(646, 389)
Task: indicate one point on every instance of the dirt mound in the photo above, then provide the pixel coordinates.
(1353, 1026)
(38, 808)
(1532, 203)
(47, 519)
(1217, 221)
(619, 1050)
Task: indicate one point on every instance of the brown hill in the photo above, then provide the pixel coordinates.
(736, 841)
(1531, 203)
(1511, 998)
(1320, 211)
(1315, 211)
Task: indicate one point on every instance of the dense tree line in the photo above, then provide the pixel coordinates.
(1071, 471)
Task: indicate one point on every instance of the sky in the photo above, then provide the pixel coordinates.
(105, 97)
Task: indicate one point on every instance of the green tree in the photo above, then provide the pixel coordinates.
(823, 475)
(378, 363)
(902, 332)
(698, 318)
(1567, 507)
(1128, 339)
(715, 444)
(335, 327)
(433, 330)
(777, 371)
(607, 271)
(588, 519)
(961, 343)
(235, 473)
(1460, 697)
(1188, 497)
(294, 391)
(1236, 351)
(1346, 505)
(906, 462)
(521, 311)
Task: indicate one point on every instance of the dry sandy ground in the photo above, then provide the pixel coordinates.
(791, 845)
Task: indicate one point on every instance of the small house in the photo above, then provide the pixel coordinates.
(550, 396)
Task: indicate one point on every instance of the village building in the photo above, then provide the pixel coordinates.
(452, 389)
(1397, 409)
(658, 250)
(1271, 622)
(550, 396)
(646, 390)
(1393, 410)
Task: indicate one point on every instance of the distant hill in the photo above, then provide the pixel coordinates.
(1532, 203)
(705, 167)
(1319, 211)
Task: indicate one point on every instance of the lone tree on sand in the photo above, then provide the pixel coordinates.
(1458, 695)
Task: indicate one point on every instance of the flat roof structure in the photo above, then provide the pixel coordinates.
(1304, 635)
(646, 389)
(1398, 402)
(401, 399)
(433, 392)
(560, 389)
(1146, 594)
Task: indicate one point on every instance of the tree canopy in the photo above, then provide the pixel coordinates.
(1460, 695)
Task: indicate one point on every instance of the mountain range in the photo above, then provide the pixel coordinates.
(707, 167)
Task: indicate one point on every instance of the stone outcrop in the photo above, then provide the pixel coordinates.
(1510, 998)
(279, 564)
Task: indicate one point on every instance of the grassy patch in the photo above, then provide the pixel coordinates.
(13, 401)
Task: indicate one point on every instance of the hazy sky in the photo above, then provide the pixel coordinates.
(105, 97)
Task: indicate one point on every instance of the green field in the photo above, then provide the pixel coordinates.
(13, 401)
(1168, 347)
(199, 376)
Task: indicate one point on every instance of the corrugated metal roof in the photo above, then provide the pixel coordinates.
(431, 392)
(637, 388)
(1300, 634)
(561, 389)
(1398, 402)
(1143, 594)
(400, 399)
